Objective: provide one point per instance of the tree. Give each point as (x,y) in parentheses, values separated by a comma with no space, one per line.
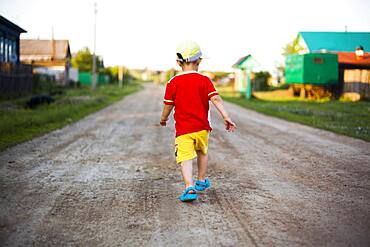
(261,80)
(113,73)
(83,60)
(293,47)
(170,73)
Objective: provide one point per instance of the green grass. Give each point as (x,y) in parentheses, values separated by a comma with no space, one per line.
(347,118)
(18,124)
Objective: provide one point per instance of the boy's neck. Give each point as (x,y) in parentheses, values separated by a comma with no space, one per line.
(190,67)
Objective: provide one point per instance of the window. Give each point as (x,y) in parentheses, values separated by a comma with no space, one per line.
(1,48)
(10,49)
(12,53)
(15,51)
(6,57)
(318,60)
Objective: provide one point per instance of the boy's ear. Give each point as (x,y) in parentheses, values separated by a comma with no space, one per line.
(179,63)
(198,61)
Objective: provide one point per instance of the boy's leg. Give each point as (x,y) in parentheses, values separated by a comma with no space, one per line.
(187,172)
(202,161)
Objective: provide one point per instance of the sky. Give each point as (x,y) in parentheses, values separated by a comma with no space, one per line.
(145,33)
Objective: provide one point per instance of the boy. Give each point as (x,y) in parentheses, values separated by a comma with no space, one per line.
(189,93)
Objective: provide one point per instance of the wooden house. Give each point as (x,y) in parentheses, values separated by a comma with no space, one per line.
(9,41)
(51,57)
(15,78)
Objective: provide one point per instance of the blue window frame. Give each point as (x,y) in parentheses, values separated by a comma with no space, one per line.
(6,54)
(1,47)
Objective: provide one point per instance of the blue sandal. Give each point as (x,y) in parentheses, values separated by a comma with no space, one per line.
(200,185)
(188,197)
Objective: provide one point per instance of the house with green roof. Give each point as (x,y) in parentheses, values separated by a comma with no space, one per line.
(353,49)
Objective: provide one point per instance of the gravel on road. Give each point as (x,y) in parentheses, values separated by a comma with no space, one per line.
(111,180)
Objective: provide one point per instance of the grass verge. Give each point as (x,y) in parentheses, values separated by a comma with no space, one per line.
(18,124)
(347,118)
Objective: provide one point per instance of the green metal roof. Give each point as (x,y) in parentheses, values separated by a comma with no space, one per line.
(246,62)
(336,41)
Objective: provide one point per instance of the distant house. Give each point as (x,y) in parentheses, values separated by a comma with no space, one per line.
(243,72)
(52,57)
(353,56)
(14,77)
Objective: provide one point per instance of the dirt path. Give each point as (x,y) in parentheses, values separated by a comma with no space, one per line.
(110,180)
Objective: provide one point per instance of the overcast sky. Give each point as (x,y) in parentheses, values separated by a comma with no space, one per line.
(142,33)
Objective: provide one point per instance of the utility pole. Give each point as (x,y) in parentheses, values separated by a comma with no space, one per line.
(52,44)
(94,82)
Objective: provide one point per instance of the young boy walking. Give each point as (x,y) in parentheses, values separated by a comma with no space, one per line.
(189,93)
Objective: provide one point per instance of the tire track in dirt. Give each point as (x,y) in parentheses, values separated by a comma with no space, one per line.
(227,207)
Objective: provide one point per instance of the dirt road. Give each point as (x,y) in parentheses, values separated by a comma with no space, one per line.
(110,180)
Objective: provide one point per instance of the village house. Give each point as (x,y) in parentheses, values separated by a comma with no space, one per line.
(9,41)
(353,57)
(14,77)
(51,57)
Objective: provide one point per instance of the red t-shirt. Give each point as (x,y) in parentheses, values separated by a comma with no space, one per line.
(189,93)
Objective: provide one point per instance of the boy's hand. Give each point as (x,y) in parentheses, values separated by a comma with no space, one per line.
(230,126)
(163,122)
(166,112)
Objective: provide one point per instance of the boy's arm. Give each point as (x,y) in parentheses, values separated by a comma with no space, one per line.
(165,113)
(217,102)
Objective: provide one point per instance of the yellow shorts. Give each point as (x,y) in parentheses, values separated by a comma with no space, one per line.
(187,145)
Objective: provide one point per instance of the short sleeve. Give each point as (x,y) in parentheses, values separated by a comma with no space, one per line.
(211,91)
(169,98)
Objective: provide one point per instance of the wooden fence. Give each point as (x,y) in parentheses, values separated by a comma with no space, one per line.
(358,81)
(15,78)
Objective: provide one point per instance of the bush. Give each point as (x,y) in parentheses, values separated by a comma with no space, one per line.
(43,83)
(260,82)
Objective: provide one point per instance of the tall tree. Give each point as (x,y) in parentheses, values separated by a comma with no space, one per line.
(293,47)
(83,60)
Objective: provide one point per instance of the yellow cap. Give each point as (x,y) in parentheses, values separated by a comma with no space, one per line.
(188,51)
